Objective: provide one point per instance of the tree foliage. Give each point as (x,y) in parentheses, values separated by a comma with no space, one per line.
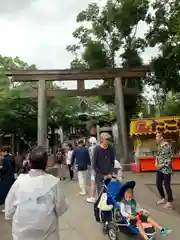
(106,37)
(172,105)
(19,115)
(164,25)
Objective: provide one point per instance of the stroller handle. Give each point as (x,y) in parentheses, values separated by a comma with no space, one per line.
(109,179)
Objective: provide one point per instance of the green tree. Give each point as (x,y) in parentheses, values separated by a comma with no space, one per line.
(16,115)
(172,105)
(107,37)
(163,33)
(19,115)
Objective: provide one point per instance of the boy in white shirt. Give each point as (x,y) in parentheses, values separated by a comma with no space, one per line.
(129,210)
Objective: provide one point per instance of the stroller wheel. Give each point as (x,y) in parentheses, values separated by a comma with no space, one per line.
(113,232)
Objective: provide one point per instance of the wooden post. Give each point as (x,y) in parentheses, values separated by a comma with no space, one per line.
(42,113)
(121,122)
(80,84)
(98,133)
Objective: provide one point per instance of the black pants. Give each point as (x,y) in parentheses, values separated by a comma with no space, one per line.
(166,178)
(71,173)
(99,182)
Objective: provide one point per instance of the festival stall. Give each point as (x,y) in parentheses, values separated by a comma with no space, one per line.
(143,133)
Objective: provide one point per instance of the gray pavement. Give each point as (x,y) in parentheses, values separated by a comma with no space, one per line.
(78,222)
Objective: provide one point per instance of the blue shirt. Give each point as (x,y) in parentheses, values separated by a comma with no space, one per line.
(81,158)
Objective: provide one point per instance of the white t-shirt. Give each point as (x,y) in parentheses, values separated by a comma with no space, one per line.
(69,157)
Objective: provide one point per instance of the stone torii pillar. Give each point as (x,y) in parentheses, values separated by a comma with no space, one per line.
(42,110)
(121,121)
(42,114)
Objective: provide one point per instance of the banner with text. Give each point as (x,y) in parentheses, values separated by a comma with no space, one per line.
(151,126)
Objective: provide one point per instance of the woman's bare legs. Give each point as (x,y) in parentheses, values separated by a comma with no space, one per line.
(93,189)
(92,198)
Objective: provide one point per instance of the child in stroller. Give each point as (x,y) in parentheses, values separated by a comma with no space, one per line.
(113,209)
(130,210)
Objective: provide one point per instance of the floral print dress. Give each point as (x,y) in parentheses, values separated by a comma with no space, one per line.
(164,158)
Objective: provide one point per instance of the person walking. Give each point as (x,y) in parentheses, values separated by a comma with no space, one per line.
(61,158)
(35,201)
(7,171)
(93,144)
(81,159)
(68,162)
(26,163)
(164,170)
(103,160)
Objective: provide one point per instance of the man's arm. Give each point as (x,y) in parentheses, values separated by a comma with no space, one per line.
(10,206)
(61,204)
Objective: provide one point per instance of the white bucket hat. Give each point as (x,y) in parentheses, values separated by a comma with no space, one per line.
(92,140)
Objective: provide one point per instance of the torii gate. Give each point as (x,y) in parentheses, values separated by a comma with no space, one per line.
(118,74)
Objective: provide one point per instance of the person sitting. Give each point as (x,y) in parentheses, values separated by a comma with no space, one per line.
(130,210)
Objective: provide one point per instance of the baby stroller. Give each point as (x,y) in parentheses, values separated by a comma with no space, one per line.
(115,225)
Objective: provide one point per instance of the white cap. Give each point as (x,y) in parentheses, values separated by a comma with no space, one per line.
(93,140)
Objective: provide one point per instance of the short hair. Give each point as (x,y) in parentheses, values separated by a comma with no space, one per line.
(38,158)
(105,135)
(81,142)
(6,149)
(70,146)
(129,190)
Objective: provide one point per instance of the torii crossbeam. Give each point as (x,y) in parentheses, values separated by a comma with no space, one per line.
(118,74)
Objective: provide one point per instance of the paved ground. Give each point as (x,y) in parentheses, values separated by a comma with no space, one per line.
(78,223)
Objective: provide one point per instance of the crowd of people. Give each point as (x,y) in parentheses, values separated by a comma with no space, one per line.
(96,159)
(35,192)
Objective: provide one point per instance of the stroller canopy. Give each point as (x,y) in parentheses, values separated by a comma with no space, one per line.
(124,187)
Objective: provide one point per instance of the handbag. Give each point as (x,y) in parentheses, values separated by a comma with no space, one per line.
(103,206)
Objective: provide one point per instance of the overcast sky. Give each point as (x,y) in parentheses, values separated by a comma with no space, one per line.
(38,31)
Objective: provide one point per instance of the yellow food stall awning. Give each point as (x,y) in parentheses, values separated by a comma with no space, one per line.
(152,125)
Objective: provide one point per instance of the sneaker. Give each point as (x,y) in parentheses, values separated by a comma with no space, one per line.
(62,178)
(165,232)
(162,201)
(82,193)
(168,205)
(3,210)
(67,180)
(91,200)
